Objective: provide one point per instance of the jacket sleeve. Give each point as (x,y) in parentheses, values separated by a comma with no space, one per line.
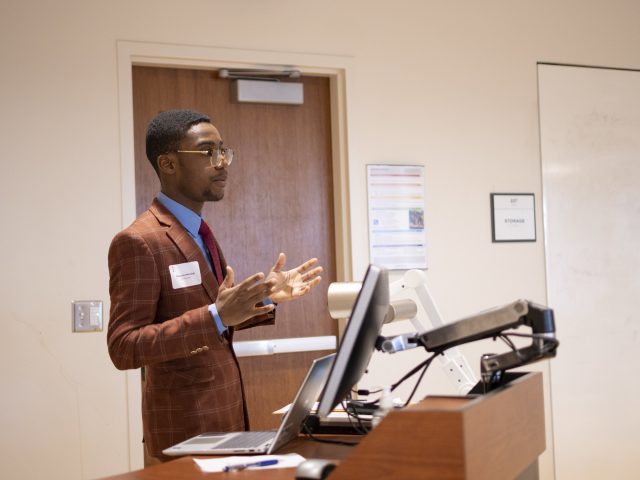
(260,320)
(133,337)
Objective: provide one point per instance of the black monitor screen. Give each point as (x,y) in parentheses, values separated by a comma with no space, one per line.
(358,340)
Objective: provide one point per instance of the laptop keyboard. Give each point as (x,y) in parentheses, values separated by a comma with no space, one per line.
(247,439)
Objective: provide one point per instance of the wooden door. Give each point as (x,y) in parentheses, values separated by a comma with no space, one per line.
(279,197)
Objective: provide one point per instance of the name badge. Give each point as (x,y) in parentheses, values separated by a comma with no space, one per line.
(185,274)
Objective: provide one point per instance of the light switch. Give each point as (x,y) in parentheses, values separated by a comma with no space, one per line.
(87,315)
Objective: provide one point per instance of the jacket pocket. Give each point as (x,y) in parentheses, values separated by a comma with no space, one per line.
(179,377)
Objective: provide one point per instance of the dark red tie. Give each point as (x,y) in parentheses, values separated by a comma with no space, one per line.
(210,242)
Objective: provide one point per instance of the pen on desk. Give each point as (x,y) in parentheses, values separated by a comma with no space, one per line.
(242,466)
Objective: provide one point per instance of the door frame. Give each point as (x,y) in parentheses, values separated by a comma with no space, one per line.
(338,68)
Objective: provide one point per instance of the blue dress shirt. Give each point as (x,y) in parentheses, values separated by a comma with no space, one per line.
(191,221)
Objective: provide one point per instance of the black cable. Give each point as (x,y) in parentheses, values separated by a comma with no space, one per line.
(424,370)
(550,343)
(542,336)
(411,372)
(326,440)
(361,428)
(424,364)
(505,338)
(366,392)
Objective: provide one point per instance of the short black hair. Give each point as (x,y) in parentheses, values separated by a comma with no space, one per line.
(166,131)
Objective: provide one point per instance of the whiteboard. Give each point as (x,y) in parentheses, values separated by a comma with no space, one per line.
(590,149)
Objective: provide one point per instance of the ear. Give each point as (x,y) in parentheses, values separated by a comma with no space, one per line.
(167,164)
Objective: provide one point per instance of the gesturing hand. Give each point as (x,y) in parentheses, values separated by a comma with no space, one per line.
(293,283)
(237,303)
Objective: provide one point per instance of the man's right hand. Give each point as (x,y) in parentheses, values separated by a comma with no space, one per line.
(238,303)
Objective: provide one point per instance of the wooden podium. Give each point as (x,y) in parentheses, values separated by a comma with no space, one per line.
(498,435)
(495,436)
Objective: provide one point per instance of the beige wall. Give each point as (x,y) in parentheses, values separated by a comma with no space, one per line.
(448,84)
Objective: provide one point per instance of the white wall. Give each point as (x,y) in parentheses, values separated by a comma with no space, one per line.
(590,145)
(448,84)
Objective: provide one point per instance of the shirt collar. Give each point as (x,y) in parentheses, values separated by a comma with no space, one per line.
(188,218)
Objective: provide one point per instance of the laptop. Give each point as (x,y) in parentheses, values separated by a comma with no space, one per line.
(267,442)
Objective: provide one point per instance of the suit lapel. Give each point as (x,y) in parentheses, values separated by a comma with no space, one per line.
(187,246)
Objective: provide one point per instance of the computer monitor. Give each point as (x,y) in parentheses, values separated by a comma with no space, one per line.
(359,339)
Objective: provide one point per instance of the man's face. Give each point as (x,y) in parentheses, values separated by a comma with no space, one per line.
(196,179)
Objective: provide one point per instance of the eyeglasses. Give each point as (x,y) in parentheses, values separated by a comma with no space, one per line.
(223,155)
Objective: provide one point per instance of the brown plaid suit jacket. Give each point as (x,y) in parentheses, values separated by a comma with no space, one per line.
(192,377)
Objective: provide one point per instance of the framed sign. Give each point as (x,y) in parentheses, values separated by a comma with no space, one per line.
(513,217)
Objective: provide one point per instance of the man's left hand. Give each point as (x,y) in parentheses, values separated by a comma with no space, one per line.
(293,283)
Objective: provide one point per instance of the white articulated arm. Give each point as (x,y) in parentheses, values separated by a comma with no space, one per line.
(453,362)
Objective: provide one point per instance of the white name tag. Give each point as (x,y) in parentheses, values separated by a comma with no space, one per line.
(185,275)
